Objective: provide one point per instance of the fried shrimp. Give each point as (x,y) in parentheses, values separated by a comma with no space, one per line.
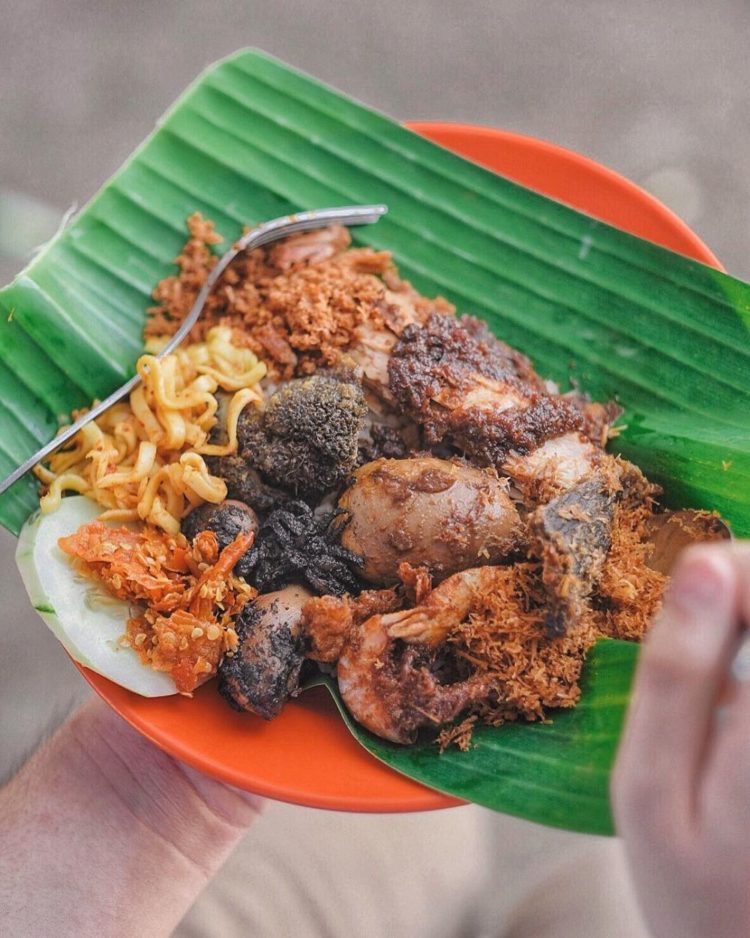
(474,645)
(393,689)
(446,606)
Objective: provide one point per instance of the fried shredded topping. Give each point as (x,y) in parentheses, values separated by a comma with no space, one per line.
(458,735)
(296,304)
(190,595)
(633,590)
(505,633)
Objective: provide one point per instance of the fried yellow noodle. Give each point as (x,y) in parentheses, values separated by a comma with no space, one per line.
(143,459)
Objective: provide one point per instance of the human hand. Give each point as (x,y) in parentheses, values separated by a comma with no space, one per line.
(681,787)
(104,834)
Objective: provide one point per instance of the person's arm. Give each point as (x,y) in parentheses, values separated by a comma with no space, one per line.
(103,834)
(682,782)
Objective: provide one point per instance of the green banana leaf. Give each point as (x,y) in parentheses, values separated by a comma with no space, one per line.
(253,139)
(556,773)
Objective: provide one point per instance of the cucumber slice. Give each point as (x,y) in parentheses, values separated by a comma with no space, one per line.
(83,616)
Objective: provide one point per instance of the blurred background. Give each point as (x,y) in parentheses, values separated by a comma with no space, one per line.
(656,90)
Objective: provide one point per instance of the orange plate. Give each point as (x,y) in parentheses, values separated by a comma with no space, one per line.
(306,755)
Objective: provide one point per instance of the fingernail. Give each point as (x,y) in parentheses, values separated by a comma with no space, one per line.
(697,584)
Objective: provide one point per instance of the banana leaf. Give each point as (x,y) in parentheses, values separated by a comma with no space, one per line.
(253,139)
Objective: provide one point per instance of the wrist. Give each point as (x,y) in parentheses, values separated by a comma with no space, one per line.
(169,802)
(121,835)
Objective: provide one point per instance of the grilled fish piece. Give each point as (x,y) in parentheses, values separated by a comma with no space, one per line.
(573,532)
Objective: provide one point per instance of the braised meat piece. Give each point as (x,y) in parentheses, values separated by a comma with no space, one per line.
(382,442)
(264,671)
(226,520)
(443,515)
(243,481)
(572,534)
(296,545)
(245,484)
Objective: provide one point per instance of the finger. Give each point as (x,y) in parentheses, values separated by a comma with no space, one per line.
(728,759)
(681,670)
(726,788)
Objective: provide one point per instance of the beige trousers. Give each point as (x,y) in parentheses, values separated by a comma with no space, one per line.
(302,873)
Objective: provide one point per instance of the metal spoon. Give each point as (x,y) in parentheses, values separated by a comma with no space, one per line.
(672,531)
(265,233)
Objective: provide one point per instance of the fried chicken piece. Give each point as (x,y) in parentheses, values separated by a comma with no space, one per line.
(311,247)
(327,620)
(447,356)
(468,388)
(556,466)
(374,340)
